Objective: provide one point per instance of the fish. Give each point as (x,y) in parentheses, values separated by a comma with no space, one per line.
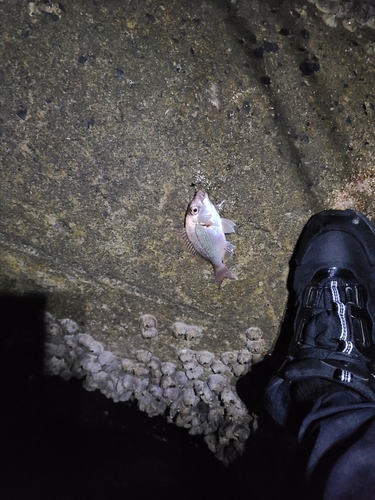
(204,236)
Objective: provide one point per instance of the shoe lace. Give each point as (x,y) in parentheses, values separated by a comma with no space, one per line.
(334,316)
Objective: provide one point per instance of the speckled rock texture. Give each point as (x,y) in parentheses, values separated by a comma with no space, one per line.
(113,114)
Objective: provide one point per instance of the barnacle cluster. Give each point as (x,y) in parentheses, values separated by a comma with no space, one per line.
(195,390)
(350,13)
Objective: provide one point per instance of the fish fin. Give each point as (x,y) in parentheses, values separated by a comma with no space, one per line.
(190,248)
(229,250)
(223,272)
(228,226)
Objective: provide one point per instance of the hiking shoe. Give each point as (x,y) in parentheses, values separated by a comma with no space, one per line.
(333,283)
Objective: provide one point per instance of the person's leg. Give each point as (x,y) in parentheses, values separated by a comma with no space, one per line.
(327,383)
(337,448)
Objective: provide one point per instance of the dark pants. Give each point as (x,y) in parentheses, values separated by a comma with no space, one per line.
(337,448)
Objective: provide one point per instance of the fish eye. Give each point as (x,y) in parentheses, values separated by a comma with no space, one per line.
(194,210)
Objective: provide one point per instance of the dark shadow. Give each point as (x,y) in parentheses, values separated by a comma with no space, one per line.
(270,450)
(57,440)
(21,353)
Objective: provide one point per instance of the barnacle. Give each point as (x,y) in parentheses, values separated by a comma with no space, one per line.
(194,390)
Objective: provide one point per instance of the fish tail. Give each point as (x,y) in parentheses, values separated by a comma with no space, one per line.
(223,272)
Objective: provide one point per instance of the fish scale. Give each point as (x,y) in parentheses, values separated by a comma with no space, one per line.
(209,244)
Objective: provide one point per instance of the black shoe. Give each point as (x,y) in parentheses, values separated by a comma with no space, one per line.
(333,281)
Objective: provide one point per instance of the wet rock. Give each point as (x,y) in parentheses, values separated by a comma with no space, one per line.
(270,47)
(265,80)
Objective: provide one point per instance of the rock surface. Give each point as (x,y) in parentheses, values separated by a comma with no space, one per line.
(113,114)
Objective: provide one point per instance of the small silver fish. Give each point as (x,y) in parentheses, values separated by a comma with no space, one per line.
(205,236)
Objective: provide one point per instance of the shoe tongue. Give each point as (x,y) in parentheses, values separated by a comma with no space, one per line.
(328,316)
(323,330)
(327,295)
